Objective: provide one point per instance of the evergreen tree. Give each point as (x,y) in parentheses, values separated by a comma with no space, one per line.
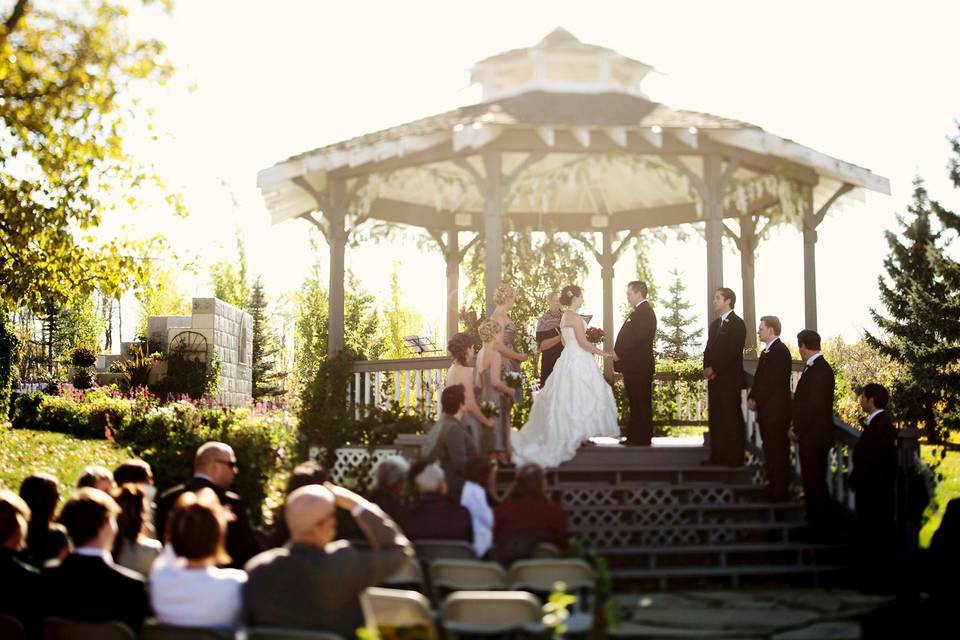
(643,268)
(912,328)
(676,339)
(230,280)
(400,321)
(265,378)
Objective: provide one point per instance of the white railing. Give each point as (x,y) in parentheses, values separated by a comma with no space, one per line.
(412,384)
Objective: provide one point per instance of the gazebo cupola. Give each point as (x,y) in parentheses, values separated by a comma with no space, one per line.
(561,64)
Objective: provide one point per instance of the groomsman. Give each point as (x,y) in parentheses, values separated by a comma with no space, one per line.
(723,370)
(770,398)
(813,426)
(634,359)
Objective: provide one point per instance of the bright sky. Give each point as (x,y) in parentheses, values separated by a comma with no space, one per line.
(259,82)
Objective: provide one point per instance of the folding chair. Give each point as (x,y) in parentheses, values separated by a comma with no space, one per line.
(287,633)
(409,576)
(398,608)
(60,629)
(467,613)
(541,575)
(465,575)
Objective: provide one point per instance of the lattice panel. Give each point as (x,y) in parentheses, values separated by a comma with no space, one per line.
(349,460)
(669,537)
(588,498)
(710,495)
(659,517)
(606,537)
(651,496)
(600,527)
(721,536)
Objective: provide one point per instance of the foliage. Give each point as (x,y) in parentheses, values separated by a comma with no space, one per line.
(9,356)
(160,295)
(361,324)
(76,324)
(24,452)
(264,347)
(64,113)
(135,370)
(230,280)
(948,463)
(911,328)
(676,339)
(535,264)
(83,357)
(644,269)
(400,321)
(855,365)
(605,614)
(84,379)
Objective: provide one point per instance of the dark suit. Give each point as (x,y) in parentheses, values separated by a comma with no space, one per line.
(873,480)
(634,349)
(241,543)
(20,591)
(89,589)
(813,424)
(724,354)
(438,518)
(454,447)
(771,392)
(306,587)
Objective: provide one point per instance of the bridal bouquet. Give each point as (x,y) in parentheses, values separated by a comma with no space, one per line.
(594,335)
(530,343)
(513,379)
(490,409)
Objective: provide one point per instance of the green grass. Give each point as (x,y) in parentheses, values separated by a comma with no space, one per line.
(947,489)
(23,451)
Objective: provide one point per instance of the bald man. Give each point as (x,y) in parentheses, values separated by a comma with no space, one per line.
(215,467)
(314,582)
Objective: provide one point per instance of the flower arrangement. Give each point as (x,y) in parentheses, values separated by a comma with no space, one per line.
(513,379)
(594,335)
(490,409)
(530,343)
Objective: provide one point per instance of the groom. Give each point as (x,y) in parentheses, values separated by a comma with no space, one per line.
(634,359)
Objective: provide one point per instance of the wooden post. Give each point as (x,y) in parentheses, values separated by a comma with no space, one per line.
(338,243)
(809,262)
(713,217)
(492,226)
(748,245)
(606,273)
(453,282)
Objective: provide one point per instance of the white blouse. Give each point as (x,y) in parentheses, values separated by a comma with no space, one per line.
(207,597)
(474,498)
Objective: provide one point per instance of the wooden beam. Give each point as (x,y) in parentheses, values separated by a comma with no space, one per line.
(532,158)
(319,224)
(338,244)
(464,164)
(822,212)
(453,256)
(492,225)
(713,217)
(607,260)
(809,262)
(699,184)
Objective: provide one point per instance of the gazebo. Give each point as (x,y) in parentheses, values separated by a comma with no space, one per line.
(565,139)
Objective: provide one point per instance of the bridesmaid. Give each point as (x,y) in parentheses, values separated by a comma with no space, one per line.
(461,372)
(504,297)
(489,371)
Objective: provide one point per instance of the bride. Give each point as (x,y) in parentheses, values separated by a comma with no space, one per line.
(575,404)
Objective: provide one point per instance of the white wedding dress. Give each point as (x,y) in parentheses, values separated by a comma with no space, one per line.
(575,404)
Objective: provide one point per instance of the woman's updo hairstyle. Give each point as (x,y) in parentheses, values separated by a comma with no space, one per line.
(489,329)
(503,293)
(568,293)
(458,345)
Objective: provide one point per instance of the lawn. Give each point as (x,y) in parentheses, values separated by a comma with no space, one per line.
(23,451)
(947,489)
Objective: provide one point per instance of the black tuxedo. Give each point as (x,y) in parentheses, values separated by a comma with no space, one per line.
(634,349)
(813,424)
(89,589)
(724,354)
(241,543)
(771,392)
(20,591)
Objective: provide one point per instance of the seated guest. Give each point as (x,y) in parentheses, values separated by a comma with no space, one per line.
(19,582)
(476,499)
(139,473)
(303,474)
(435,517)
(97,477)
(527,517)
(46,540)
(455,443)
(391,478)
(314,582)
(87,585)
(134,549)
(189,590)
(215,467)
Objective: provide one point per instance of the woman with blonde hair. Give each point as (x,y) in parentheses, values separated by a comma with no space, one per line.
(462,372)
(491,388)
(504,297)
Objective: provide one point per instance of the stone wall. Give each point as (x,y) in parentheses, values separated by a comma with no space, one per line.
(229,334)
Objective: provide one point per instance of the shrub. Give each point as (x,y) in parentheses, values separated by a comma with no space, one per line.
(63,414)
(83,357)
(26,410)
(84,379)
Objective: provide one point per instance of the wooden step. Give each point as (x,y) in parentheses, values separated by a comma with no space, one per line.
(722,555)
(618,476)
(604,533)
(673,577)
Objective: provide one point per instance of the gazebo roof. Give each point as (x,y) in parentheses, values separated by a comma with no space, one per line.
(427,167)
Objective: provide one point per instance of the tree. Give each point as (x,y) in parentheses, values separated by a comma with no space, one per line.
(230,280)
(265,349)
(911,333)
(64,113)
(162,297)
(399,321)
(677,340)
(535,264)
(644,269)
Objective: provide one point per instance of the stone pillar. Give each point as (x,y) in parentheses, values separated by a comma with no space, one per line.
(492,226)
(713,217)
(453,282)
(809,263)
(607,260)
(748,245)
(338,244)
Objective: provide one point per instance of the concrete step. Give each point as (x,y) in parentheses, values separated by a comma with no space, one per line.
(735,576)
(723,555)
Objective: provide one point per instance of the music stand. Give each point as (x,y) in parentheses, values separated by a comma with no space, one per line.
(420,345)
(586,318)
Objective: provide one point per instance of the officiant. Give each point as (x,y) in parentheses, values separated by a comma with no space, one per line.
(548,336)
